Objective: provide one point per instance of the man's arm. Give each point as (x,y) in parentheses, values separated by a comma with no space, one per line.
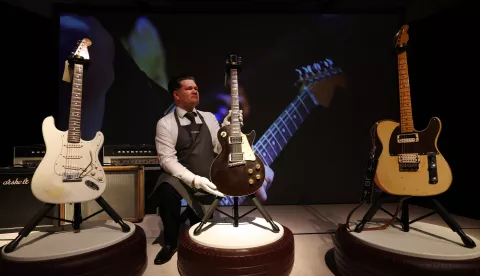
(167,155)
(216,126)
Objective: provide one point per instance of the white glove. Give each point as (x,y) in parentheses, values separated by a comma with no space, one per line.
(203,183)
(226,121)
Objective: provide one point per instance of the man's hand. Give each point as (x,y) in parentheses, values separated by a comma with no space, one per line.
(227,120)
(262,192)
(203,183)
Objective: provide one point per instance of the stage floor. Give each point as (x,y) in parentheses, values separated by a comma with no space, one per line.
(313,227)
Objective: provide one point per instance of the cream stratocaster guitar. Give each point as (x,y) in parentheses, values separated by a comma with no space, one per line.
(410,163)
(70,172)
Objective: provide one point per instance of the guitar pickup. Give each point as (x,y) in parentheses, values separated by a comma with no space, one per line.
(432,168)
(235,157)
(235,140)
(407,138)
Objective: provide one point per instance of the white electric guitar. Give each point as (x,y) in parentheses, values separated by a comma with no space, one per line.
(70,171)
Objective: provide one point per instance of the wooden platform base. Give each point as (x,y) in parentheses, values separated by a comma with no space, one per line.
(425,250)
(98,248)
(252,248)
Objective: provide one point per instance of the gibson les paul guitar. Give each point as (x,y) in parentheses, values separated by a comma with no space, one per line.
(318,84)
(236,170)
(70,172)
(410,163)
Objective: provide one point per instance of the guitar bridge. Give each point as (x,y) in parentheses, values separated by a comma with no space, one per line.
(234,164)
(72,177)
(235,159)
(408,162)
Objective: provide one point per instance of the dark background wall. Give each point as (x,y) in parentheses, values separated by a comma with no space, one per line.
(440,53)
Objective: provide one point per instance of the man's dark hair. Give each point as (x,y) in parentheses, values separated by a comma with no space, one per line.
(175,82)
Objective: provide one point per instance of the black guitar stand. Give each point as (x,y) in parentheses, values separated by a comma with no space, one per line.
(368,192)
(235,216)
(404,218)
(77,220)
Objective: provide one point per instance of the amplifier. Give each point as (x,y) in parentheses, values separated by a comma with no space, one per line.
(28,156)
(17,203)
(130,155)
(124,193)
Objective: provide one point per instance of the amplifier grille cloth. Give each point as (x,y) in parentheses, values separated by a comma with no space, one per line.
(122,194)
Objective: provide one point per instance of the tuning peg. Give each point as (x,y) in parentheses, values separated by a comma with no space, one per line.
(299,74)
(330,62)
(317,67)
(309,68)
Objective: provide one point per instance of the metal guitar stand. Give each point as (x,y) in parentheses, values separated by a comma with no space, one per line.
(77,220)
(235,216)
(368,193)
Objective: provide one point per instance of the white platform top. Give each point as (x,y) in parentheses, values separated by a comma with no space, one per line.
(251,232)
(60,243)
(424,240)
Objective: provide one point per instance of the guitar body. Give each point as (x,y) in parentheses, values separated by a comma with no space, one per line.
(63,159)
(423,161)
(237,180)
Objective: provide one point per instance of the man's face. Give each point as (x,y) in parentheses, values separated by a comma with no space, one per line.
(187,94)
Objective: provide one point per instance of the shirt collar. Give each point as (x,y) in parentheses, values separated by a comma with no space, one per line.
(181,112)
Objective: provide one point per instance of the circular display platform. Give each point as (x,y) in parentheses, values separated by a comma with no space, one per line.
(252,248)
(252,232)
(99,248)
(426,249)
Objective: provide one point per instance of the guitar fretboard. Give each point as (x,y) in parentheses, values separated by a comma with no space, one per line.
(235,105)
(406,118)
(270,145)
(76,105)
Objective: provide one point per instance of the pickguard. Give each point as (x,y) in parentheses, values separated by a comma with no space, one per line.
(248,154)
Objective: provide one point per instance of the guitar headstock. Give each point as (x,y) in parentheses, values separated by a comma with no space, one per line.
(80,55)
(234,61)
(321,79)
(401,39)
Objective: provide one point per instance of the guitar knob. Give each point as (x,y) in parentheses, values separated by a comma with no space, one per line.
(251,181)
(92,173)
(257,177)
(250,171)
(257,166)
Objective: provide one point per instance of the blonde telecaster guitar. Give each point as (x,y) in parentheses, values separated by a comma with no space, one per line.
(410,163)
(70,172)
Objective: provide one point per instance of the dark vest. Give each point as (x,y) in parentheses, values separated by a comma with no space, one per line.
(194,151)
(194,147)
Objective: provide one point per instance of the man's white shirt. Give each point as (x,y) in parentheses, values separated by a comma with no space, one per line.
(166,139)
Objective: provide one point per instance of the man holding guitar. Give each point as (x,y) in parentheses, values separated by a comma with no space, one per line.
(187,143)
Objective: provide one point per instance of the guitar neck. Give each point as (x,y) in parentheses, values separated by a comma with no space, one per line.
(406,118)
(272,142)
(235,105)
(74,123)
